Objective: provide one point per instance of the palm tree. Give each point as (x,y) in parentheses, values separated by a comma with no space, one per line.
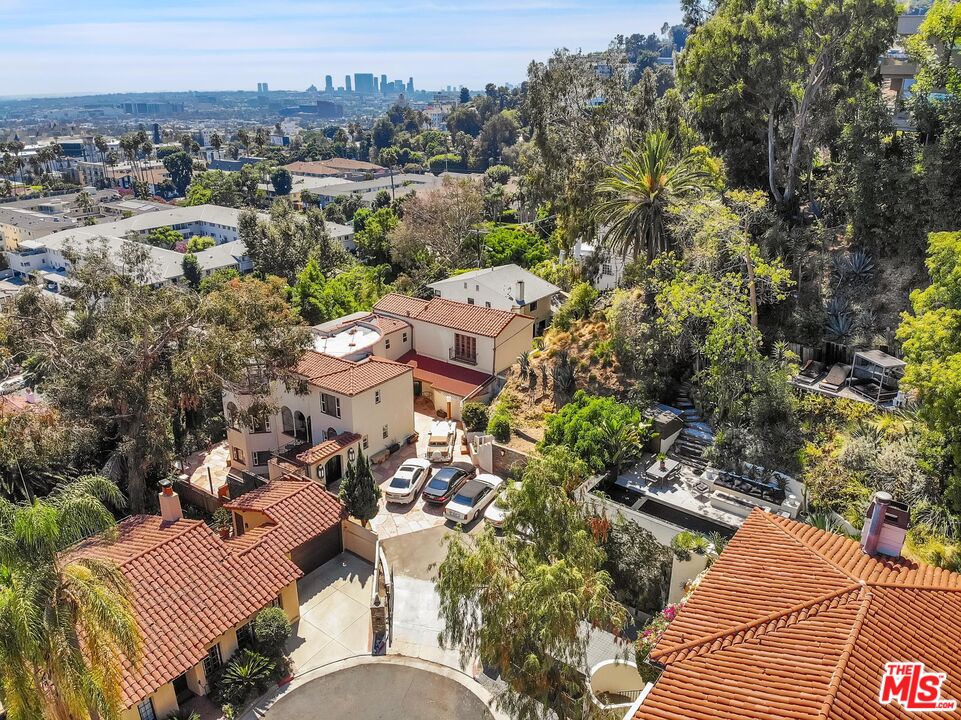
(216,142)
(100,142)
(621,444)
(388,157)
(635,195)
(66,623)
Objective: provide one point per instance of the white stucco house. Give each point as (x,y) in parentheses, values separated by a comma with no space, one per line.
(506,287)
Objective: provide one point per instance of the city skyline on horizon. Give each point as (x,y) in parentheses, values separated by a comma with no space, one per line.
(293,44)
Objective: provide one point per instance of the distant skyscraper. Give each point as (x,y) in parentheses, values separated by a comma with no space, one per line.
(410,85)
(347,84)
(261,87)
(376,88)
(364,83)
(383,84)
(156,134)
(328,84)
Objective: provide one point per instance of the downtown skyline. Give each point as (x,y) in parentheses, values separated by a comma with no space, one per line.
(115,48)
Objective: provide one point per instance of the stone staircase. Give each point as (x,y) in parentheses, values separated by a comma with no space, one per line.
(696,437)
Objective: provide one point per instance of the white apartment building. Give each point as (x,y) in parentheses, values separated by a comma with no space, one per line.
(51,252)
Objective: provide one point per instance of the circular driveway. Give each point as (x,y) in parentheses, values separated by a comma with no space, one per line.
(381,690)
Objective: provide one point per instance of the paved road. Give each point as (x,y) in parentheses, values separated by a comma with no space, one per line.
(383,691)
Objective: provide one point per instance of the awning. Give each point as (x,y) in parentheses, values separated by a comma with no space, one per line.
(444,376)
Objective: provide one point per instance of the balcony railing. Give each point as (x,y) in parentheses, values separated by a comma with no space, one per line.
(461,358)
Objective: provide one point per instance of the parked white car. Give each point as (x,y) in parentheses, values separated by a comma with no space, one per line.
(440,443)
(496,512)
(470,500)
(408,481)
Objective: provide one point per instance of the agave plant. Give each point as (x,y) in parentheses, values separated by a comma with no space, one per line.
(247,673)
(825,521)
(837,306)
(859,265)
(688,542)
(839,327)
(524,360)
(563,372)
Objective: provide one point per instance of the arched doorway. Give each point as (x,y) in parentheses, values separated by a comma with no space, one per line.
(333,470)
(300,426)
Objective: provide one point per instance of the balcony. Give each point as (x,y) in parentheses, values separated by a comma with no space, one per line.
(462,358)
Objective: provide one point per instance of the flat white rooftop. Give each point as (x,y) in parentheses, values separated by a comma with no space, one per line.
(350,340)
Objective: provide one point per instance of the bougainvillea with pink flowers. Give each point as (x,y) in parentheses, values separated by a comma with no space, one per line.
(655,629)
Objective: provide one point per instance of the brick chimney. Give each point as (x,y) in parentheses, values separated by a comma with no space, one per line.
(885,526)
(170,509)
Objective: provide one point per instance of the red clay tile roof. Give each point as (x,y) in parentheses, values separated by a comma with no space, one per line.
(473,319)
(344,377)
(793,622)
(445,376)
(328,448)
(189,588)
(299,509)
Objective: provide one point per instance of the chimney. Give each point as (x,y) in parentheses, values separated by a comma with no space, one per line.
(520,292)
(885,526)
(169,503)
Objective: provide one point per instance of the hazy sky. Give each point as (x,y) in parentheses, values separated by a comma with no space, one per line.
(57,47)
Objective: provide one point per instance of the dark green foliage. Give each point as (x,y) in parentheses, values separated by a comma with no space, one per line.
(246,675)
(639,566)
(514,244)
(272,629)
(475,416)
(358,491)
(181,168)
(282,181)
(499,426)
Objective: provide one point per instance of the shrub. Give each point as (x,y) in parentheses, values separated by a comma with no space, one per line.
(272,629)
(475,416)
(577,306)
(500,427)
(246,674)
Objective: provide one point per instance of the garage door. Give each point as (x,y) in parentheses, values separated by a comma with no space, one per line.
(315,553)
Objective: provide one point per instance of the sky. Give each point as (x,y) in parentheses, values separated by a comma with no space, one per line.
(91,46)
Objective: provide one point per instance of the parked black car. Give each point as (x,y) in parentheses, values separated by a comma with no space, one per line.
(447,481)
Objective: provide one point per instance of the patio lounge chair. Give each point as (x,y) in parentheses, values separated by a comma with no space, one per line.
(811,372)
(837,377)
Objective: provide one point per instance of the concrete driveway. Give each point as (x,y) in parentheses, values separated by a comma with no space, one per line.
(417,622)
(334,613)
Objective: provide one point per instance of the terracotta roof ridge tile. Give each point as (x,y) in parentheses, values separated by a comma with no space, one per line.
(193,525)
(846,654)
(807,546)
(759,626)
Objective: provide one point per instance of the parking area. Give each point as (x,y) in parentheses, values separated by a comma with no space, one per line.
(393,520)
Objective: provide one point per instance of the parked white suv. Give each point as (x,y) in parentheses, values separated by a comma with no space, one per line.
(470,500)
(440,443)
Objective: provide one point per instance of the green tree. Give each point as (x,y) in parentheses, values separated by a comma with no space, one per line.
(931,338)
(465,120)
(191,269)
(272,630)
(382,134)
(760,73)
(521,602)
(580,426)
(464,95)
(131,374)
(371,233)
(281,180)
(634,197)
(200,242)
(181,168)
(514,244)
(164,237)
(498,133)
(358,491)
(283,244)
(67,627)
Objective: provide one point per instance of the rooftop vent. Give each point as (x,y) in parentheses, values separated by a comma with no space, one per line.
(170,509)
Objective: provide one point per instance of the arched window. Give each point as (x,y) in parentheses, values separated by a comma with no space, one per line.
(300,426)
(287,420)
(232,416)
(331,433)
